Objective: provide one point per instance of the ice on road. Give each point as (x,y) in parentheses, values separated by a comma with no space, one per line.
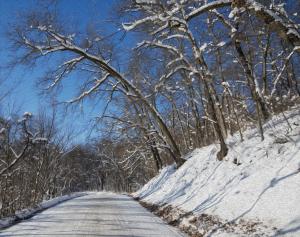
(96,214)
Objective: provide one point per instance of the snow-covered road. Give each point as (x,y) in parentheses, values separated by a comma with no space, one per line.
(96,214)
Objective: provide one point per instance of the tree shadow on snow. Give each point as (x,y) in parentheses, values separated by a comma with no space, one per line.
(273,182)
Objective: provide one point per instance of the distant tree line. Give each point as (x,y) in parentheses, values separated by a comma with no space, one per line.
(37,163)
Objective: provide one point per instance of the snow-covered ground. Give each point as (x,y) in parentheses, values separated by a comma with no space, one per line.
(263,187)
(27,213)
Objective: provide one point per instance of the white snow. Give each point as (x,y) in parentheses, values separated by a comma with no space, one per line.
(26,213)
(2,130)
(27,114)
(42,28)
(40,140)
(233,12)
(263,186)
(225,84)
(222,43)
(203,47)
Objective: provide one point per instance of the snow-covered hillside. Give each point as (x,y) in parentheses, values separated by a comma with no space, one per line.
(258,183)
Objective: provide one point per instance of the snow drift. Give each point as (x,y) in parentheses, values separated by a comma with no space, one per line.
(258,180)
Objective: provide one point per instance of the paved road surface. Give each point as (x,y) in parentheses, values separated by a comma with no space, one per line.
(96,214)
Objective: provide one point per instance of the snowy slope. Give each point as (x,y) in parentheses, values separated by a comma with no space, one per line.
(264,186)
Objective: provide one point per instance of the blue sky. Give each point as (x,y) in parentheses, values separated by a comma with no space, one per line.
(25,94)
(76,11)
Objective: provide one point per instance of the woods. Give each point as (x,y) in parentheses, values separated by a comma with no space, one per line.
(199,72)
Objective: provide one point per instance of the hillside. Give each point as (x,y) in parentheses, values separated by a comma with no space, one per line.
(255,191)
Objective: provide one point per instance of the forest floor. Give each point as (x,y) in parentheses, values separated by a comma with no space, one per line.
(255,191)
(94,214)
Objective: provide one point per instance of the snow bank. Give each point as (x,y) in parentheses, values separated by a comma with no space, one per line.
(258,181)
(27,213)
